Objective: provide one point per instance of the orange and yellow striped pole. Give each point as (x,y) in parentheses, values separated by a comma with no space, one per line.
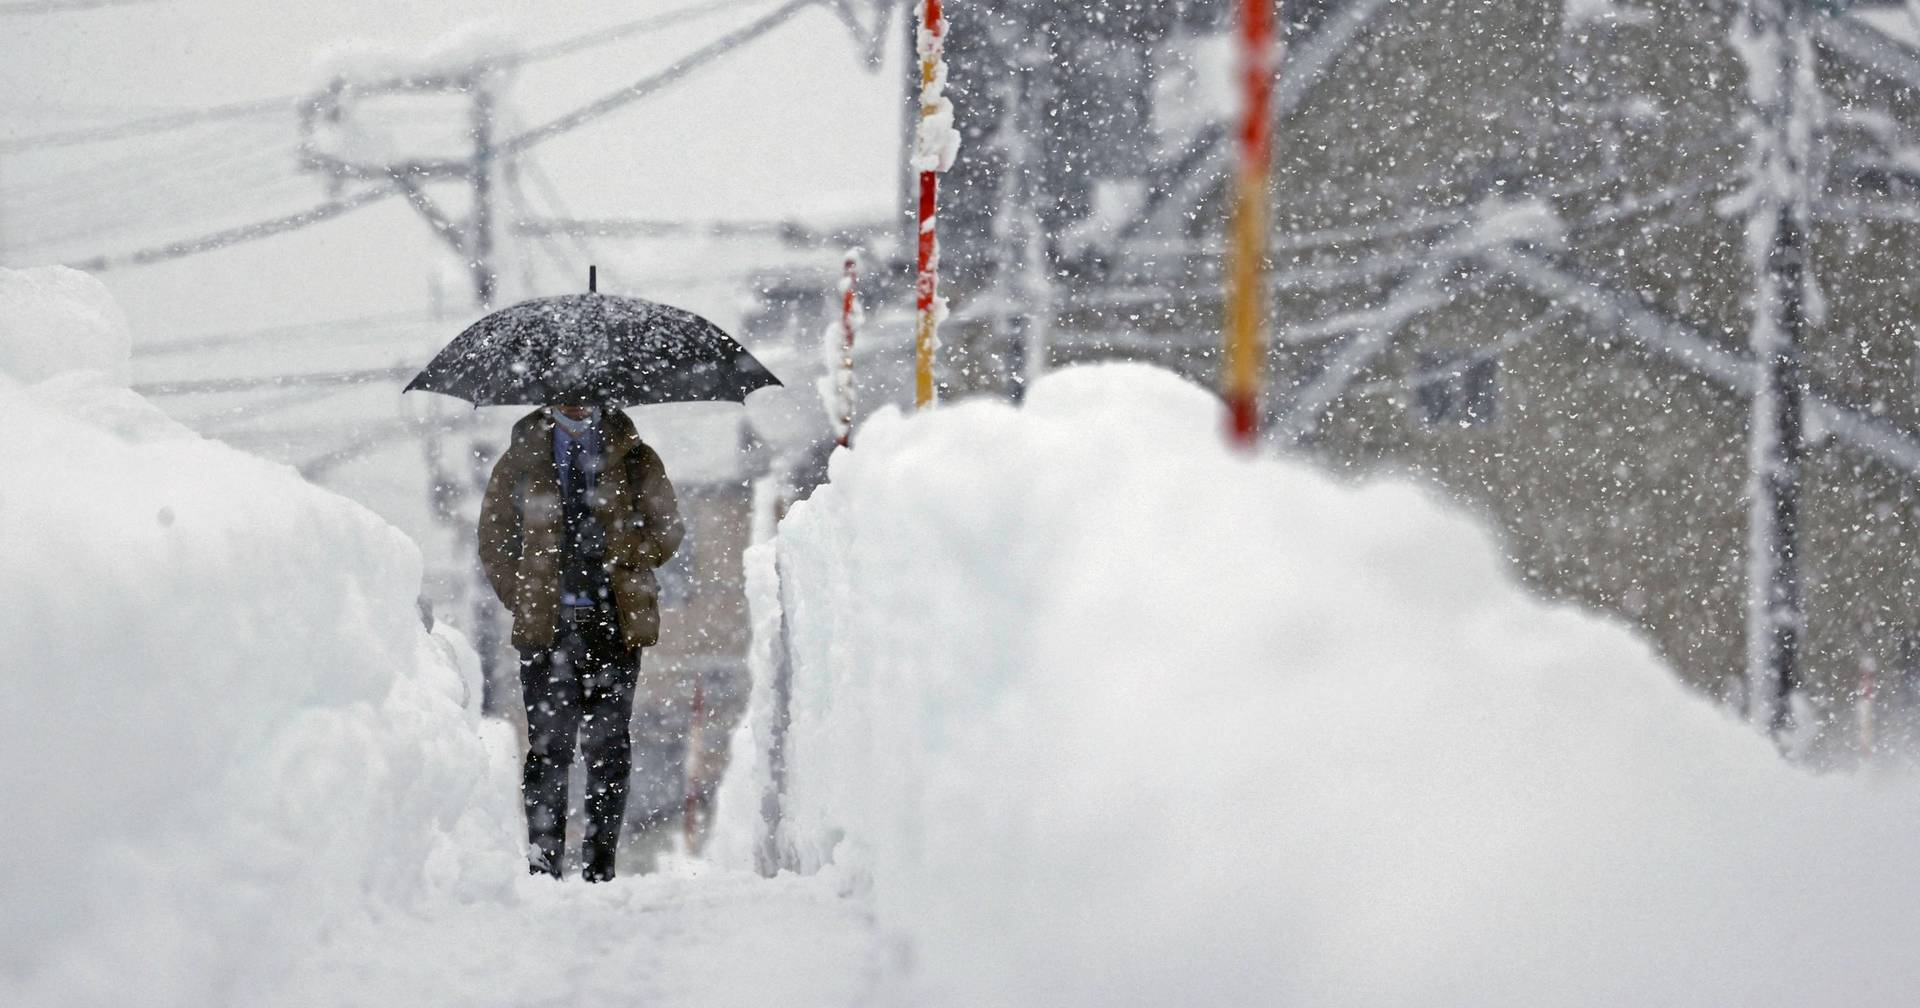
(1247,225)
(935,145)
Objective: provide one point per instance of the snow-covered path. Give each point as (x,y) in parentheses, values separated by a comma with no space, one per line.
(267,784)
(690,936)
(1096,712)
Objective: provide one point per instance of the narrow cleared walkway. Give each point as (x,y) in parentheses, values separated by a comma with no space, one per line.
(688,936)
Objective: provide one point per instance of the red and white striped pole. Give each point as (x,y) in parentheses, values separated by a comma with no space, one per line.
(935,144)
(851,315)
(1247,228)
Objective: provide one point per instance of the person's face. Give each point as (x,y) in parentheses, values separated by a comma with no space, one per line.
(574,412)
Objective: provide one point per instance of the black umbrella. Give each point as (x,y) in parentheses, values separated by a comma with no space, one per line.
(593,348)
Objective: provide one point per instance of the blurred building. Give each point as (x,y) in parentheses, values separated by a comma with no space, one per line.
(1508,262)
(1504,258)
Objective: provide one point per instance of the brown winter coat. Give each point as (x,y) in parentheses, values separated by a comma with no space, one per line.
(521,528)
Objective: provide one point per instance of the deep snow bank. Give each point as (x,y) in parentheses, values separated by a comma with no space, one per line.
(1108,715)
(223,726)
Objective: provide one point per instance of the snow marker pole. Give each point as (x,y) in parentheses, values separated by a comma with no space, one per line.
(933,151)
(1247,226)
(850,317)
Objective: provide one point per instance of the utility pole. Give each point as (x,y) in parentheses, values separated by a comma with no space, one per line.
(1773,37)
(480,221)
(452,493)
(481,452)
(1022,262)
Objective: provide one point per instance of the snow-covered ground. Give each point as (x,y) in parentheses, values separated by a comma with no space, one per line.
(1086,710)
(694,937)
(1099,713)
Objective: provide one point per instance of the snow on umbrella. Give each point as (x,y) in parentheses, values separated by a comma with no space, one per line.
(593,348)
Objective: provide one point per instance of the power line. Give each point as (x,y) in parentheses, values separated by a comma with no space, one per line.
(529,166)
(248,181)
(654,82)
(63,6)
(262,229)
(123,172)
(201,386)
(230,422)
(604,36)
(289,103)
(152,124)
(365,443)
(208,341)
(234,236)
(792,232)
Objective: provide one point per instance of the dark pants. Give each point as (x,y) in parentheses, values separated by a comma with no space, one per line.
(582,687)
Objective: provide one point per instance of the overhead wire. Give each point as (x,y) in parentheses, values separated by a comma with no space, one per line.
(153,124)
(122,185)
(300,330)
(24,7)
(144,161)
(673,72)
(621,32)
(236,235)
(556,204)
(289,104)
(215,180)
(653,82)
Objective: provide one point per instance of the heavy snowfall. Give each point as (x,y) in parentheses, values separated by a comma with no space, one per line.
(1329,502)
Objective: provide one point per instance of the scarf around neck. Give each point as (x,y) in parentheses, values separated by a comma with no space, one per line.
(578,427)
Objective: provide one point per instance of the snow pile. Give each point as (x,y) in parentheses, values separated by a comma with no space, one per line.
(54,320)
(1105,714)
(225,728)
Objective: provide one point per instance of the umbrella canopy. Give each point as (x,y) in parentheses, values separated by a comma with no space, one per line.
(593,348)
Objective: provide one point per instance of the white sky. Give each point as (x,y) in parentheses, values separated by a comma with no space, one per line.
(794,124)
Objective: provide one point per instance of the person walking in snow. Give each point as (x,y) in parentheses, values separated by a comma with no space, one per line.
(577,515)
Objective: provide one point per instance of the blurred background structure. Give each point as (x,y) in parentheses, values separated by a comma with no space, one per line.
(1510,252)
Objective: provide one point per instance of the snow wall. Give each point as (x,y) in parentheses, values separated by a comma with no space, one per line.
(224,726)
(1102,713)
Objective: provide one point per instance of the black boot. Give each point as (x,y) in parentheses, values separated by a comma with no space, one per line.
(597,861)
